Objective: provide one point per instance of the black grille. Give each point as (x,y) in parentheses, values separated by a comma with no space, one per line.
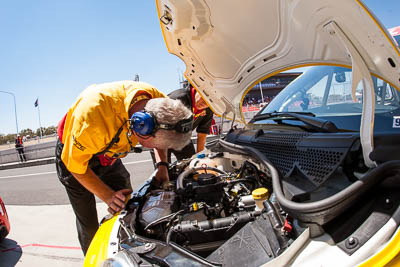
(284,151)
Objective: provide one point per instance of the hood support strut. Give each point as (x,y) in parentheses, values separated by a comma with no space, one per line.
(361,74)
(228,109)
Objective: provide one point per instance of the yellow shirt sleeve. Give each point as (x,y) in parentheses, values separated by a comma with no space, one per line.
(82,141)
(91,123)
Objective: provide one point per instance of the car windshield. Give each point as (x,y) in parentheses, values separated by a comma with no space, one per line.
(397,38)
(325,91)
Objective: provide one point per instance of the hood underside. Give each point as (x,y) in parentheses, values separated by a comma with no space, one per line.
(229,46)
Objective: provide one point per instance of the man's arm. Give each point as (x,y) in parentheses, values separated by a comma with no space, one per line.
(162,171)
(201,141)
(114,200)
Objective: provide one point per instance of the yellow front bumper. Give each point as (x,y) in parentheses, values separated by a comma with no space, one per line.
(99,247)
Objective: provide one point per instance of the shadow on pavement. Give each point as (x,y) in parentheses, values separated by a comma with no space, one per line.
(10,252)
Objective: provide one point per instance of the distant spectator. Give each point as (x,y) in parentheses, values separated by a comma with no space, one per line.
(19,145)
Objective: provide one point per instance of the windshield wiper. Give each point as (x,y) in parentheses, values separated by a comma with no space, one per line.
(307,118)
(264,116)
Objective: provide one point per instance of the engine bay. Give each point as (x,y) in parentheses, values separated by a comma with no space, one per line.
(230,205)
(209,199)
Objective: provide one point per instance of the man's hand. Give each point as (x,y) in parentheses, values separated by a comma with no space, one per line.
(114,200)
(117,201)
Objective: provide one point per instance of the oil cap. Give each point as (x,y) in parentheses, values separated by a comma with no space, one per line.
(260,193)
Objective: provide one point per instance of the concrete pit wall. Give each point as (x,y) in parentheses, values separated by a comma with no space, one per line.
(32,152)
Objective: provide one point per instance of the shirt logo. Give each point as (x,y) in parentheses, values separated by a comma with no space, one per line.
(77,144)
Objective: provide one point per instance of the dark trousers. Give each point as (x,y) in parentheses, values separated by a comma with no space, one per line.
(83,202)
(21,154)
(185,153)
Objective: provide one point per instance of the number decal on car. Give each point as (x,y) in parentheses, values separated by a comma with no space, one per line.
(396,122)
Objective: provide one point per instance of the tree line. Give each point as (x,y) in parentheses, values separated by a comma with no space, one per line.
(27,133)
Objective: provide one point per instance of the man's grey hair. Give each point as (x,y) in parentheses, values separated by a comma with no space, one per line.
(169,111)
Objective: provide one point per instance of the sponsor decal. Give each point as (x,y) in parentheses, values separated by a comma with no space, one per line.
(77,144)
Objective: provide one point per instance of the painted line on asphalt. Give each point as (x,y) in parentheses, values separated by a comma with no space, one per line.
(140,161)
(44,173)
(38,245)
(24,175)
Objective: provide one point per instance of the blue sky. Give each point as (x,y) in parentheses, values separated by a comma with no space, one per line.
(54,49)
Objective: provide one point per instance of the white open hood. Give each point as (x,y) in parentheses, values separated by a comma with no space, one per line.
(228,46)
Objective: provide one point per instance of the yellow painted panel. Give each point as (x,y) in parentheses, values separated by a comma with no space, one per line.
(98,248)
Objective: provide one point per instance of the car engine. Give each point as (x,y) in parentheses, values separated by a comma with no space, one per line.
(209,199)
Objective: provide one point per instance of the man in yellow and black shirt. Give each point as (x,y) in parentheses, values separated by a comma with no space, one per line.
(97,131)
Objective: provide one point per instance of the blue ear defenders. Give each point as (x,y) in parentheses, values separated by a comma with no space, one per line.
(144,123)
